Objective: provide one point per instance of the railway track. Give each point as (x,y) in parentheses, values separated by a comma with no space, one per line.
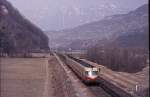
(126,85)
(102,90)
(80,89)
(113,89)
(98,91)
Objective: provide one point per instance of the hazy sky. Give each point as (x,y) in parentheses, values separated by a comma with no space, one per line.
(47,13)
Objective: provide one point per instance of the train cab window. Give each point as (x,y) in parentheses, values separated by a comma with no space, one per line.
(91,73)
(94,72)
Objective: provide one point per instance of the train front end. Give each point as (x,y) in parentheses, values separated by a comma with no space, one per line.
(91,75)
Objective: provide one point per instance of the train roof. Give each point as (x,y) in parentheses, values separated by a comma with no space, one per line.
(82,62)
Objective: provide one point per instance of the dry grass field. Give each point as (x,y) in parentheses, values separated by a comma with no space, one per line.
(22,77)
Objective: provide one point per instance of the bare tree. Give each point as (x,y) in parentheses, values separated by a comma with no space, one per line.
(119,59)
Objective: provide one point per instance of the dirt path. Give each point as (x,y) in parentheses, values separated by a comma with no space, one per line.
(60,84)
(47,82)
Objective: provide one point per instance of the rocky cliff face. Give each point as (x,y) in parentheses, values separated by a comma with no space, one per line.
(17,34)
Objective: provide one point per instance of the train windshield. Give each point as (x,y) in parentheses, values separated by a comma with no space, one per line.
(91,73)
(94,72)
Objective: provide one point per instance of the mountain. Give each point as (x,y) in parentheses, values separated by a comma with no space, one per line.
(17,34)
(56,14)
(68,17)
(109,28)
(138,38)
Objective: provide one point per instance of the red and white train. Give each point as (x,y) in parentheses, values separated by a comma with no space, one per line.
(85,71)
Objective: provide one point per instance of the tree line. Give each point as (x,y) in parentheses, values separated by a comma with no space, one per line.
(119,59)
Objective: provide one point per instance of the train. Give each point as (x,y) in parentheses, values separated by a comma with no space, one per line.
(86,72)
